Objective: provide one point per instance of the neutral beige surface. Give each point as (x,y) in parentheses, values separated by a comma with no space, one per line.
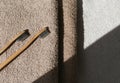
(41,56)
(38,63)
(22,49)
(70,40)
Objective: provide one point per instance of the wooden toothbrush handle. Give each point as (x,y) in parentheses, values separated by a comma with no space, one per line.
(19,51)
(10,42)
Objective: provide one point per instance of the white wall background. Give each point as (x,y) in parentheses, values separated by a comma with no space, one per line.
(102,41)
(100,17)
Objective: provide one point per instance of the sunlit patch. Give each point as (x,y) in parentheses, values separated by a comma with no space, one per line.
(91,36)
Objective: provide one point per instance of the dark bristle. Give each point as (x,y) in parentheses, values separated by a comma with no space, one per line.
(24,36)
(44,34)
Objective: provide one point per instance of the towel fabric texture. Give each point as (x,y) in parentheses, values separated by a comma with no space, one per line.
(39,63)
(41,56)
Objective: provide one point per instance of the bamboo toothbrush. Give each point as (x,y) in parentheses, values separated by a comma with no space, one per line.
(24,47)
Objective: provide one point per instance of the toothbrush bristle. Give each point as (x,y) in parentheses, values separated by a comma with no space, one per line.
(44,34)
(24,36)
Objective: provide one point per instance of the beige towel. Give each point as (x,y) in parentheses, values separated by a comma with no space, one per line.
(39,63)
(41,57)
(70,40)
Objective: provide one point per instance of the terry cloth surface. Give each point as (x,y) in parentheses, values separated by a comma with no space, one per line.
(102,41)
(70,40)
(41,57)
(38,64)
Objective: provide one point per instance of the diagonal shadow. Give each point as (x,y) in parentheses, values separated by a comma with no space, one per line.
(99,63)
(51,76)
(75,65)
(102,59)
